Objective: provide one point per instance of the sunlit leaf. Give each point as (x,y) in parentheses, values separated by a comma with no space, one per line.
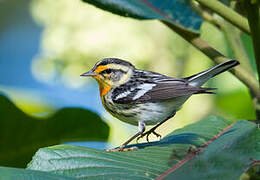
(22,135)
(177,12)
(228,149)
(22,174)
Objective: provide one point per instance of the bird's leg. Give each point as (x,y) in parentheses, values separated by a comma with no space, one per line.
(152,130)
(141,129)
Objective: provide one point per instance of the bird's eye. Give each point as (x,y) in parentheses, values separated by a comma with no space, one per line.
(107,71)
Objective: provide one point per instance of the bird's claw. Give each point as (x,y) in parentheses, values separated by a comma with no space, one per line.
(157,135)
(147,134)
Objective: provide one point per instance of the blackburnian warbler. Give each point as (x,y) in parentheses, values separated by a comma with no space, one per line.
(140,97)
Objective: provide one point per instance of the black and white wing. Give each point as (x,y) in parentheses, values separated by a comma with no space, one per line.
(157,90)
(148,86)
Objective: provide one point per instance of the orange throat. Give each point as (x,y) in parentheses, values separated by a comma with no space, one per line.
(103,89)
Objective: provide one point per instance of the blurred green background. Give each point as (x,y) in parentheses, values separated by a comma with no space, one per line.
(45,45)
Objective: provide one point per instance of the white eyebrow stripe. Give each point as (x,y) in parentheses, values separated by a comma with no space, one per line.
(117,66)
(144,88)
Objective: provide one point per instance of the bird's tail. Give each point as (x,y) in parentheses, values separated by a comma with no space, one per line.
(202,77)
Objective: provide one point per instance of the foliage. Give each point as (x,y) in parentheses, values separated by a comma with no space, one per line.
(22,135)
(234,148)
(182,16)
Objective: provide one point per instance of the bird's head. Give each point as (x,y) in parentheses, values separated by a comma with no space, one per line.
(111,72)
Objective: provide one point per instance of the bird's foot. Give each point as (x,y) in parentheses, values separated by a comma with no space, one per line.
(148,133)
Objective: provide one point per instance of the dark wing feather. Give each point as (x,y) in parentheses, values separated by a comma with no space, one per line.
(171,89)
(164,88)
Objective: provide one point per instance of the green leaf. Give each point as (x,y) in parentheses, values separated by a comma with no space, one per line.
(22,135)
(248,45)
(22,174)
(226,158)
(227,155)
(176,12)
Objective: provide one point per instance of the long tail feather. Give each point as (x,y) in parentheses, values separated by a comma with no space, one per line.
(202,77)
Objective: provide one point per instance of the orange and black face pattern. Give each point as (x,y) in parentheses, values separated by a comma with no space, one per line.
(110,73)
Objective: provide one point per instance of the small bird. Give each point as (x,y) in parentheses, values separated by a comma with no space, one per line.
(141,97)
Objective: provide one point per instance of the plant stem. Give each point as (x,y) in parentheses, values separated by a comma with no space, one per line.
(205,14)
(233,37)
(240,72)
(254,23)
(227,13)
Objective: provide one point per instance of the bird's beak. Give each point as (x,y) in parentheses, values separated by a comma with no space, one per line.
(89,73)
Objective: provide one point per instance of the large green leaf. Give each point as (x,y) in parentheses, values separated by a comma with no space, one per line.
(176,12)
(226,158)
(22,135)
(22,174)
(226,155)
